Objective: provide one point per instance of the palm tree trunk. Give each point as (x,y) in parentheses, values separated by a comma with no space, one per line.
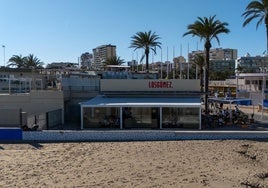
(147,63)
(147,59)
(201,80)
(207,48)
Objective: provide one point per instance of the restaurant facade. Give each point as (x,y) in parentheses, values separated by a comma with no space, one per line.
(144,104)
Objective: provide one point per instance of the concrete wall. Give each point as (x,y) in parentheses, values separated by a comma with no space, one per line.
(33,103)
(9,117)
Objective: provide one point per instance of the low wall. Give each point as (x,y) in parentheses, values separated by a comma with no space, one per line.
(140,135)
(10,134)
(34,103)
(10,117)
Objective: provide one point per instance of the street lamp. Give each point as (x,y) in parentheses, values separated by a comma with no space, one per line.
(238,70)
(3,46)
(237,90)
(264,71)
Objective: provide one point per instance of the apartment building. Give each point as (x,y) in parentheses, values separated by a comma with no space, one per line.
(223,65)
(256,64)
(101,54)
(216,54)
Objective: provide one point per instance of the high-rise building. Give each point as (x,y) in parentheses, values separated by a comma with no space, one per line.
(101,54)
(216,54)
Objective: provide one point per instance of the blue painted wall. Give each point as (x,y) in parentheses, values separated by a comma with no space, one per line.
(10,134)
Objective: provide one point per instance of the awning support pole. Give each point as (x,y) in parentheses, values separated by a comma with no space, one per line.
(82,117)
(160,126)
(200,118)
(121,118)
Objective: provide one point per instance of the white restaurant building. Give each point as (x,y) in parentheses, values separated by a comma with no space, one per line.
(144,104)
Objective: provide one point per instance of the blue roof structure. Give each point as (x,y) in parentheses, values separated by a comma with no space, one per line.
(231,100)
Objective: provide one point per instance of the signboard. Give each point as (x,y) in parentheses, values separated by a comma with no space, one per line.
(149,85)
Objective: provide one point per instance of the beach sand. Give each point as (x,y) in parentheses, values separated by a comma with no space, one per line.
(226,163)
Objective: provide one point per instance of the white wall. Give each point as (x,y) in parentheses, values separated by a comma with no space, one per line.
(146,85)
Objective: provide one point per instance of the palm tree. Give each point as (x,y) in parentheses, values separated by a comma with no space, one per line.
(33,62)
(207,29)
(239,69)
(199,60)
(17,61)
(147,41)
(257,10)
(114,61)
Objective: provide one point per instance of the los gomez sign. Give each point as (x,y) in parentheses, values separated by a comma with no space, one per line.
(160,84)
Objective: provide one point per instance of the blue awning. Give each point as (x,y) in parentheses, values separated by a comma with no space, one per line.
(230,100)
(265,103)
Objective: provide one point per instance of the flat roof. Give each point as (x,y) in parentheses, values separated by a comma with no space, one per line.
(253,74)
(103,101)
(118,66)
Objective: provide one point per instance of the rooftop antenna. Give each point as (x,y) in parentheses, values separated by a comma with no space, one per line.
(161,65)
(137,61)
(188,68)
(167,63)
(167,53)
(173,62)
(3,46)
(132,62)
(180,63)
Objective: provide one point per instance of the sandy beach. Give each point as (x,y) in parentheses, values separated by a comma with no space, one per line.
(228,163)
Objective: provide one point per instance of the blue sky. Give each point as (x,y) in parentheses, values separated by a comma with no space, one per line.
(61,30)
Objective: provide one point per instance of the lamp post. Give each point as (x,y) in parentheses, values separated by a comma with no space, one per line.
(238,69)
(4,54)
(264,71)
(262,93)
(236,93)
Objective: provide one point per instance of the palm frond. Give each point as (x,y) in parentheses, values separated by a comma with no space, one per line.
(207,28)
(146,41)
(255,10)
(142,57)
(114,61)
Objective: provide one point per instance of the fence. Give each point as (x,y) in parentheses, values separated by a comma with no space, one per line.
(39,120)
(54,118)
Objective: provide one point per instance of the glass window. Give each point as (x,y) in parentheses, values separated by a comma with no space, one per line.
(170,118)
(138,117)
(180,118)
(101,117)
